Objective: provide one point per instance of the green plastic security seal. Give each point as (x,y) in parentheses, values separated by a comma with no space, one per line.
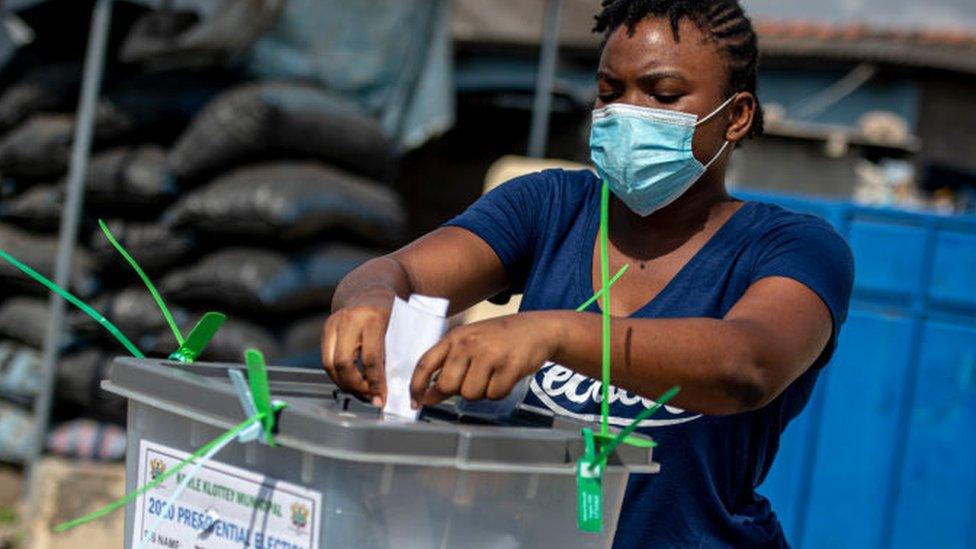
(605,307)
(199,337)
(190,348)
(70,298)
(257,377)
(600,292)
(589,487)
(145,280)
(589,468)
(609,443)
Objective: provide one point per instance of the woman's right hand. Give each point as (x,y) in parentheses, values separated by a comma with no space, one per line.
(356,333)
(449,261)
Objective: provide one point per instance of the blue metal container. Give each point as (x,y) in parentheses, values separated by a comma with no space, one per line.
(885,453)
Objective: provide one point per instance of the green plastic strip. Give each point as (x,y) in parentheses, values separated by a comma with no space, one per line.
(199,337)
(605,307)
(124,500)
(630,441)
(257,376)
(589,468)
(145,279)
(608,448)
(599,293)
(85,308)
(589,488)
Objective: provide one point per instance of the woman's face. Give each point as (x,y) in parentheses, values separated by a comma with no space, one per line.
(650,69)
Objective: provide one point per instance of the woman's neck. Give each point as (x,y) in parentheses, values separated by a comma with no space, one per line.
(702,207)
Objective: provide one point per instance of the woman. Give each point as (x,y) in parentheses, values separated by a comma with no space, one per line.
(738,303)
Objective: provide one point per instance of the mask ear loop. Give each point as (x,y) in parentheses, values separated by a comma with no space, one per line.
(717,110)
(706,119)
(717,155)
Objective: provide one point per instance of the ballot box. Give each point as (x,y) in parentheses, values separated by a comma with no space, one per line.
(340,475)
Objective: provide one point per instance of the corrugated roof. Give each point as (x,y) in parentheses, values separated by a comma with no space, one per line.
(519,22)
(945,49)
(827,32)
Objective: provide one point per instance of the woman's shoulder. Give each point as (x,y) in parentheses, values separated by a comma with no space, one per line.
(536,203)
(569,181)
(768,218)
(779,233)
(556,190)
(805,248)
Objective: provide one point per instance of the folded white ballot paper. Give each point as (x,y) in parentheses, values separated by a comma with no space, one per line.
(415,326)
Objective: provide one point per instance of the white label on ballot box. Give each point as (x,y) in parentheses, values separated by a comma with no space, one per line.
(223,507)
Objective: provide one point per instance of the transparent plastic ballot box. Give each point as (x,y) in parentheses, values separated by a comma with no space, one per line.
(342,476)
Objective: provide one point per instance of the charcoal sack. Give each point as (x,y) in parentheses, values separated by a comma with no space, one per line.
(39,252)
(130,177)
(301,345)
(282,119)
(304,335)
(292,201)
(163,102)
(51,87)
(24,319)
(124,181)
(79,383)
(41,147)
(44,88)
(38,208)
(261,281)
(133,310)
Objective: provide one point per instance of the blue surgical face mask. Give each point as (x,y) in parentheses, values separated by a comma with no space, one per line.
(645,154)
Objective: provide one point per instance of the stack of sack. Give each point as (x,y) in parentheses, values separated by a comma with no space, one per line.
(36,129)
(251,198)
(284,197)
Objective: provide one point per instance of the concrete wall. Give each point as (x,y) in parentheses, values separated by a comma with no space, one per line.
(795,166)
(947,122)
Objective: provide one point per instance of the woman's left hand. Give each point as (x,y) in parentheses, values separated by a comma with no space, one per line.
(485,359)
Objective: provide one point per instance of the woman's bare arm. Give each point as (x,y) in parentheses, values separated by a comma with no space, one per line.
(724,366)
(449,262)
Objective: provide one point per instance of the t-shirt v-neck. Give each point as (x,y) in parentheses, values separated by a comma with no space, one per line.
(586,282)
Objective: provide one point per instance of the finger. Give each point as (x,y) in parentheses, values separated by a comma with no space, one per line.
(502,382)
(374,361)
(328,345)
(450,377)
(346,353)
(432,361)
(475,382)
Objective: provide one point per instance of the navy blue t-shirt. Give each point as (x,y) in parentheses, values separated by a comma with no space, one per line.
(543,227)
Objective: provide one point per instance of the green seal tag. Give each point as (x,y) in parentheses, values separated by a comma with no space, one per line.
(589,468)
(589,488)
(199,337)
(257,376)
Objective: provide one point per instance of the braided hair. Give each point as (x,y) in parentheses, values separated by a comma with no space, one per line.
(724,21)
